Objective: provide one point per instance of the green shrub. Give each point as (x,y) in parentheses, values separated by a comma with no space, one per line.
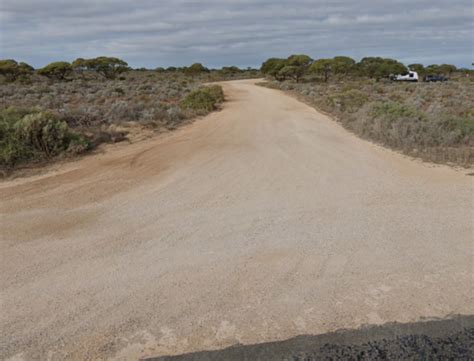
(43,132)
(392,111)
(11,149)
(456,130)
(216,91)
(349,101)
(31,134)
(204,99)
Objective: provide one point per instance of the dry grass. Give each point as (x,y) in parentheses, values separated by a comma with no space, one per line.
(433,121)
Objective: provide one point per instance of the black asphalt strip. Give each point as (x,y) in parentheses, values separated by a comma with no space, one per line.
(447,339)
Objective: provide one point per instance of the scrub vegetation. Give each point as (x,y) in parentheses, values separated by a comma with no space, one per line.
(432,121)
(65,109)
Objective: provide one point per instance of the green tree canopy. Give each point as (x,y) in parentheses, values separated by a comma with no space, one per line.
(297,65)
(273,66)
(12,70)
(447,69)
(109,67)
(378,68)
(322,67)
(342,65)
(57,70)
(230,70)
(419,68)
(196,69)
(288,71)
(299,60)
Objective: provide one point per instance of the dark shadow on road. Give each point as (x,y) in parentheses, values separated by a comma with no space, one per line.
(446,339)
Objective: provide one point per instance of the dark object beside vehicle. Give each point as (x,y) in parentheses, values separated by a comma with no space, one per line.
(434,78)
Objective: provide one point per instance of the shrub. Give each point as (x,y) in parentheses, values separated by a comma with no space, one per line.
(350,100)
(28,134)
(393,111)
(43,132)
(204,99)
(216,91)
(434,122)
(11,148)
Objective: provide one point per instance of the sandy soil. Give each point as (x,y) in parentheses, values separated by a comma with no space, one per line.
(258,223)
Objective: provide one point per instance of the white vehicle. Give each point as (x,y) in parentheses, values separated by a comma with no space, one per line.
(410,76)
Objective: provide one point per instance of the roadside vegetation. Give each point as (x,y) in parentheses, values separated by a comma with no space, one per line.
(65,109)
(432,121)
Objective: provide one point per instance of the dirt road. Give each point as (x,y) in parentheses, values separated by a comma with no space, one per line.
(258,223)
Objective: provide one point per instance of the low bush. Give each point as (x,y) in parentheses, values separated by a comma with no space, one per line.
(89,109)
(204,99)
(32,134)
(392,111)
(432,121)
(350,100)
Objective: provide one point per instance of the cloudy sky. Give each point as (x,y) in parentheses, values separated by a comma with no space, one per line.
(155,33)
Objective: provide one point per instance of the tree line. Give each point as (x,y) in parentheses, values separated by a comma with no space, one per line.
(107,67)
(294,67)
(299,65)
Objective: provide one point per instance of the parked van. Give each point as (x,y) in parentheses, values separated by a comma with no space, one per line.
(410,76)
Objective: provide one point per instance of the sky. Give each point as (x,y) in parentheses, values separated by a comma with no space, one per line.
(152,33)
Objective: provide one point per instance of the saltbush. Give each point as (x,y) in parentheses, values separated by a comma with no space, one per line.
(32,134)
(393,111)
(204,99)
(431,121)
(350,100)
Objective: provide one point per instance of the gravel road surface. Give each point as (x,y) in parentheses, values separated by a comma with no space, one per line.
(261,222)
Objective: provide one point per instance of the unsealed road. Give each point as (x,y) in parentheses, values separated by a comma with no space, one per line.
(260,222)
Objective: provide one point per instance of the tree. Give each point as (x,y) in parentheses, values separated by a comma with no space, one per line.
(230,70)
(273,66)
(288,71)
(342,65)
(11,70)
(56,70)
(109,67)
(419,68)
(322,67)
(447,69)
(80,64)
(297,65)
(376,67)
(196,69)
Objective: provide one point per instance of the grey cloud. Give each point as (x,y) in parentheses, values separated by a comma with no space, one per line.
(152,33)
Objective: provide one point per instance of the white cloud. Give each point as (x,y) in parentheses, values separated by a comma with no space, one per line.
(244,32)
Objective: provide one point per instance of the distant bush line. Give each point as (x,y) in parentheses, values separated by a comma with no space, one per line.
(109,68)
(434,122)
(299,66)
